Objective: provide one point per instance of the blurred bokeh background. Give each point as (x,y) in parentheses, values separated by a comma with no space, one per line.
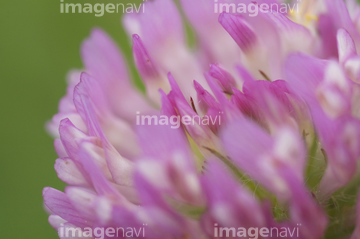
(38,46)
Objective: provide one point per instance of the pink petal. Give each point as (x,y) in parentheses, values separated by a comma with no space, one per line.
(104,62)
(60,205)
(239,30)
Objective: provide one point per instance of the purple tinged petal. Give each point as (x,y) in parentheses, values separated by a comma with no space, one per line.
(334,93)
(168,223)
(152,76)
(313,80)
(161,142)
(327,33)
(337,8)
(53,125)
(176,92)
(219,94)
(342,147)
(56,222)
(239,30)
(104,62)
(179,102)
(68,171)
(227,82)
(102,59)
(143,61)
(244,74)
(91,89)
(166,106)
(107,54)
(230,205)
(268,51)
(337,17)
(200,19)
(86,109)
(348,56)
(60,205)
(245,138)
(83,200)
(289,147)
(304,210)
(209,33)
(262,156)
(346,46)
(60,149)
(246,104)
(127,218)
(215,115)
(195,128)
(304,74)
(230,110)
(159,25)
(162,37)
(89,154)
(206,100)
(169,165)
(248,146)
(70,136)
(176,176)
(111,127)
(340,17)
(268,103)
(119,167)
(294,37)
(352,68)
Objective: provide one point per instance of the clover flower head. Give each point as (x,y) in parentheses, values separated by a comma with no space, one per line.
(283,88)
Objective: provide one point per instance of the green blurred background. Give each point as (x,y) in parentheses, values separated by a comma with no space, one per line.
(38,46)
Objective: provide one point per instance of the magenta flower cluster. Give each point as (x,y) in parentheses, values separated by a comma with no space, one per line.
(285,153)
